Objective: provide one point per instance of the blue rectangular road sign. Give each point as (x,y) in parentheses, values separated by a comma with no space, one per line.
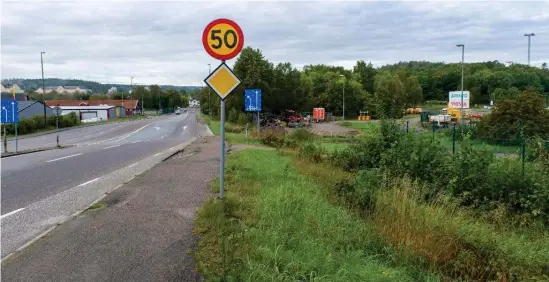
(10,113)
(252,100)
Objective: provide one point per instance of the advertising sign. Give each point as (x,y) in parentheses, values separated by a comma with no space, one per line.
(454,99)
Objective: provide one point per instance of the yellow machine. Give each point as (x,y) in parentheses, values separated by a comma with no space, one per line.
(363,115)
(455,113)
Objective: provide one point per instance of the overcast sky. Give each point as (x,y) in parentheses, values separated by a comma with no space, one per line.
(160,42)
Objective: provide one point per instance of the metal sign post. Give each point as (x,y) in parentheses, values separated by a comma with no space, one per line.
(222,155)
(16,145)
(9,114)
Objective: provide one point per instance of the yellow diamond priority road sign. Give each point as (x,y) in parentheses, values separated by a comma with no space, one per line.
(222,81)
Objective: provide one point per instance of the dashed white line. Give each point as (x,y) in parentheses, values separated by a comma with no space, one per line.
(132,164)
(184,127)
(113,146)
(88,182)
(58,159)
(12,212)
(157,154)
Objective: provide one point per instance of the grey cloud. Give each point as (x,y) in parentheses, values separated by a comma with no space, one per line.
(160,42)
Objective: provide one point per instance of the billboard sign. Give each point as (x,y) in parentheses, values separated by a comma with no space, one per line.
(454,99)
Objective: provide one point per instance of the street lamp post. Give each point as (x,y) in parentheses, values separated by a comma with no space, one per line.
(131,92)
(344,80)
(209,96)
(43,86)
(462,59)
(529,36)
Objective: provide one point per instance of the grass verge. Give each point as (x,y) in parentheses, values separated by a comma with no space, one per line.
(277,225)
(231,137)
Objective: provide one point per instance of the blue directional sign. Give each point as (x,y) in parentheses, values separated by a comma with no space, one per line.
(9,113)
(252,100)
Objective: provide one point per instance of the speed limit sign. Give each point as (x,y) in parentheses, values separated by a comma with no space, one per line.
(223,39)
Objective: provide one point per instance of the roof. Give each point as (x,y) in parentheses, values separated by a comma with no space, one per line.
(86,107)
(52,87)
(21,105)
(128,104)
(71,87)
(18,96)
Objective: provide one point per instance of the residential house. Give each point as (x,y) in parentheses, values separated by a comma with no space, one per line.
(49,89)
(194,103)
(8,88)
(112,90)
(65,89)
(28,109)
(18,96)
(131,106)
(76,89)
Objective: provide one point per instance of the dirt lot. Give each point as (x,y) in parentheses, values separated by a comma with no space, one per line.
(332,129)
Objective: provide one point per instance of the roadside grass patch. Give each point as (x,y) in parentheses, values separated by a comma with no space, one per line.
(238,136)
(277,225)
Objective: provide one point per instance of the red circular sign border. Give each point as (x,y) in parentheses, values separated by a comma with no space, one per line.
(238,48)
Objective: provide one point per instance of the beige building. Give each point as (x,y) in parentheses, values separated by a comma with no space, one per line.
(64,90)
(7,88)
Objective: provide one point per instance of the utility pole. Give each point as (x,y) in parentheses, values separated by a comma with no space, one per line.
(529,36)
(462,59)
(209,96)
(43,86)
(131,92)
(344,80)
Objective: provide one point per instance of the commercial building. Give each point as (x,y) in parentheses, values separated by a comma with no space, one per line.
(131,106)
(94,113)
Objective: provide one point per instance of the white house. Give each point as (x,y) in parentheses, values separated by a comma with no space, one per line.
(194,103)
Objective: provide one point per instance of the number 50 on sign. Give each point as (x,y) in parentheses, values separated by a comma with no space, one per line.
(223,39)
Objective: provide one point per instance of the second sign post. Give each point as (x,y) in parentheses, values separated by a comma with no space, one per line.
(223,39)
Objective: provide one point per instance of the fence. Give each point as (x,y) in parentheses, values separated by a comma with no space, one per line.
(453,134)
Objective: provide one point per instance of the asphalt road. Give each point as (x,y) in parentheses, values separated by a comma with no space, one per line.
(60,182)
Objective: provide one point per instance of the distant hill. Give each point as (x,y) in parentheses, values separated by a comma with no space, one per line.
(96,87)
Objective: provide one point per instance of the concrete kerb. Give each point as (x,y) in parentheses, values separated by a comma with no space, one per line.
(158,159)
(4,155)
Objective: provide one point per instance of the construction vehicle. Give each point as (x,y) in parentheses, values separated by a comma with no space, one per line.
(455,113)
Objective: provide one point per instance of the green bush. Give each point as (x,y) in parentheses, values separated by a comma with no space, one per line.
(469,168)
(302,134)
(231,128)
(312,151)
(273,138)
(419,158)
(27,126)
(233,115)
(242,119)
(39,122)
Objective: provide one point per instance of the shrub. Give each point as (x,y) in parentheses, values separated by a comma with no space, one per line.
(418,157)
(537,150)
(312,151)
(242,119)
(39,122)
(526,109)
(272,137)
(27,126)
(469,168)
(528,195)
(233,115)
(234,128)
(359,156)
(301,134)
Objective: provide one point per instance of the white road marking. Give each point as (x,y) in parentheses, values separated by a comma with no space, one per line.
(184,127)
(12,212)
(157,154)
(133,164)
(113,146)
(54,160)
(88,182)
(157,128)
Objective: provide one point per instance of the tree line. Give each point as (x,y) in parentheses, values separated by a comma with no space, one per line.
(382,91)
